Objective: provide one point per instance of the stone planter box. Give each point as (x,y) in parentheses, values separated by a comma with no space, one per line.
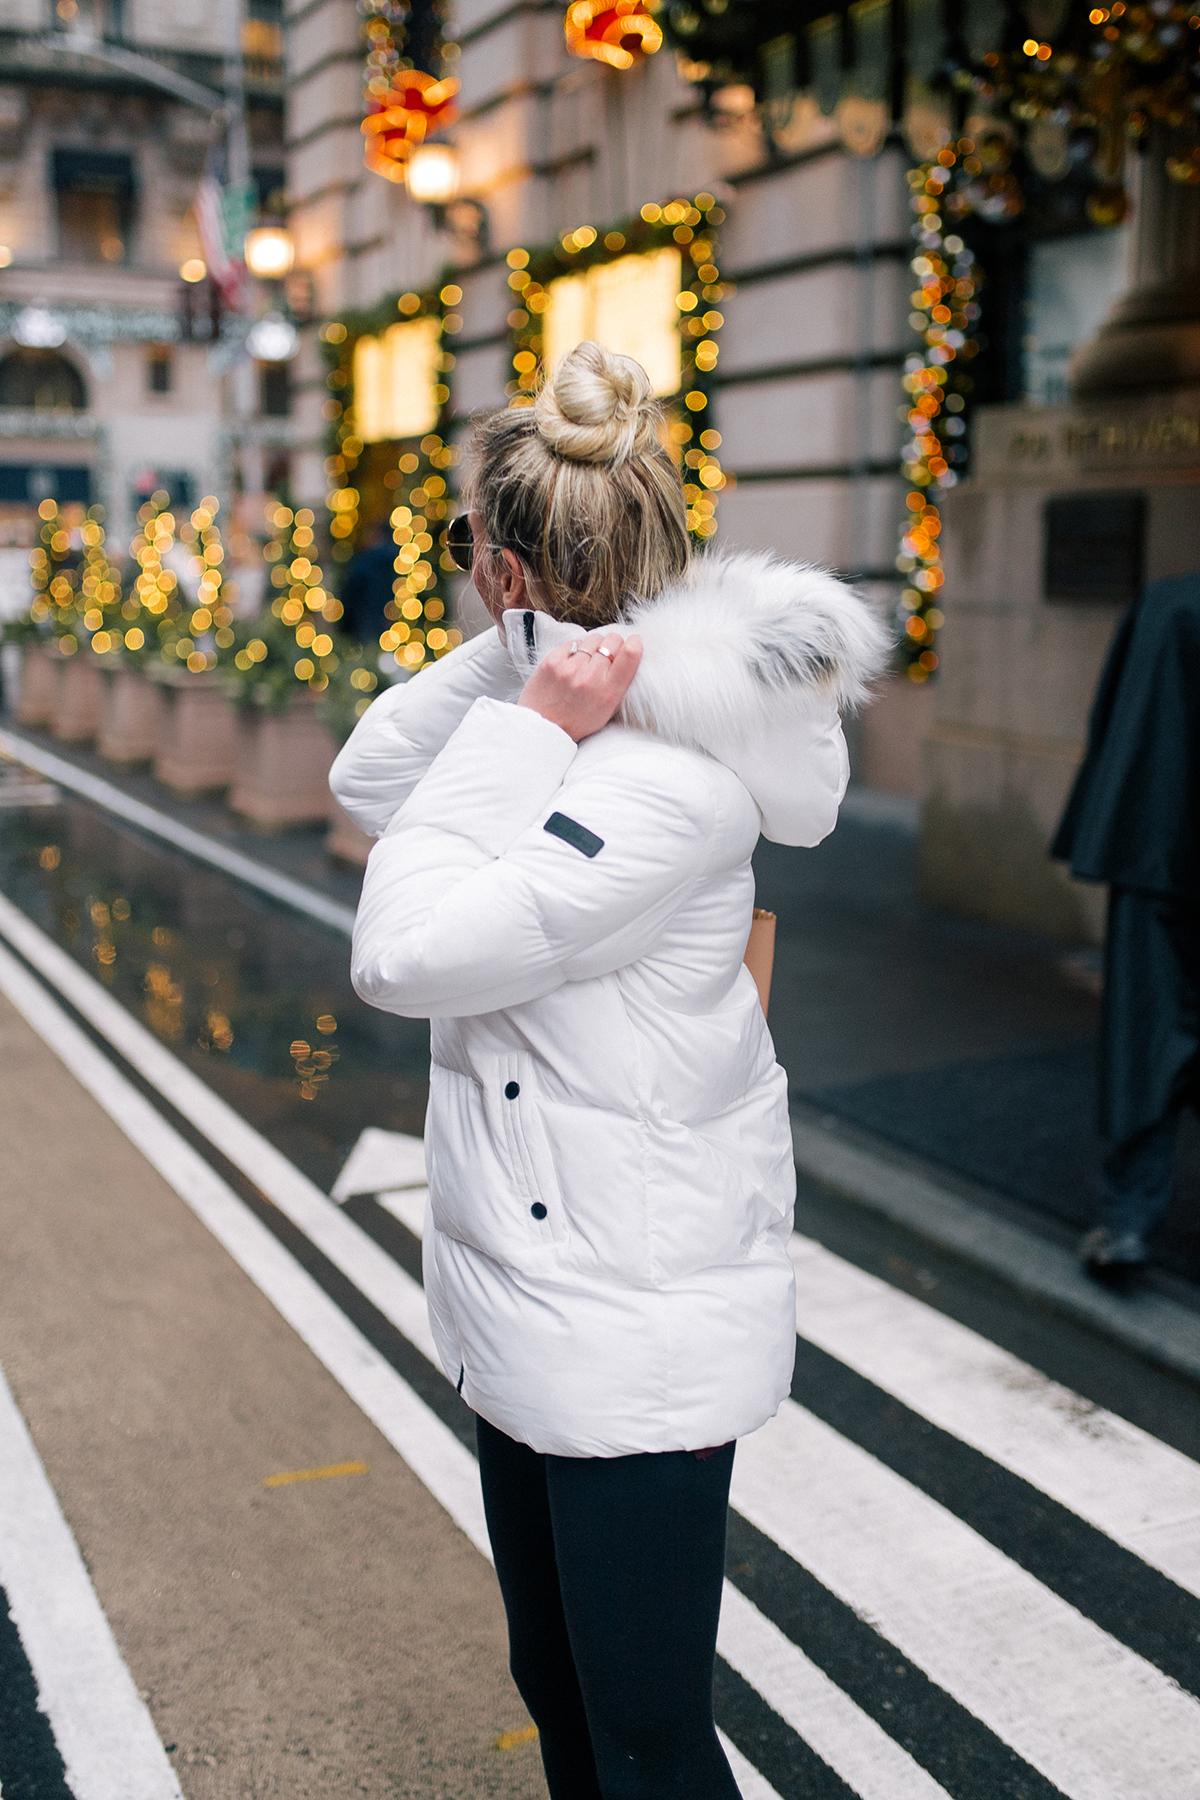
(197,738)
(346,841)
(130,717)
(37,695)
(77,715)
(283,765)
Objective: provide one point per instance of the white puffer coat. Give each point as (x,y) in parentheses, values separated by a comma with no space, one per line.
(610,1164)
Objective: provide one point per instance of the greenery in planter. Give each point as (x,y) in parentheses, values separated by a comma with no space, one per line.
(353,685)
(76,587)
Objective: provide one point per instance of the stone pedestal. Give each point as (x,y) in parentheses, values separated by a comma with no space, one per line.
(1019,669)
(77,715)
(1151,339)
(346,841)
(283,766)
(130,717)
(37,696)
(197,743)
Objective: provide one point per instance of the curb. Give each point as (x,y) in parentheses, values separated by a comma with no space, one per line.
(1155,1327)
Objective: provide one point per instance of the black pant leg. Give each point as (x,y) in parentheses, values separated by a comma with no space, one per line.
(640,1547)
(518,1518)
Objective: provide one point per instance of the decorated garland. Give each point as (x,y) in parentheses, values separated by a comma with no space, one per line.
(692,227)
(945,313)
(617,35)
(403,480)
(405,103)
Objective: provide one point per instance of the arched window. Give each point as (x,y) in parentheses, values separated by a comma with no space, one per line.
(41,379)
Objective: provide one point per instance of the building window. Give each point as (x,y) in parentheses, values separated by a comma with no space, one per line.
(274,390)
(95,195)
(42,380)
(629,306)
(396,377)
(158,369)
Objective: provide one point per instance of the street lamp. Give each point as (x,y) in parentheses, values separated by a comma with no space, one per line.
(270,252)
(432,174)
(273,339)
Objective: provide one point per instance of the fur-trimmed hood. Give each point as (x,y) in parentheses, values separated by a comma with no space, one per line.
(750,658)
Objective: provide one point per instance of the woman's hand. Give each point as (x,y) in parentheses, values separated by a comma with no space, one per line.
(579,687)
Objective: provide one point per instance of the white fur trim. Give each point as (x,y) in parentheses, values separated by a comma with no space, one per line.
(746,640)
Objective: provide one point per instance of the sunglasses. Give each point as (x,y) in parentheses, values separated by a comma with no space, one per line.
(460,542)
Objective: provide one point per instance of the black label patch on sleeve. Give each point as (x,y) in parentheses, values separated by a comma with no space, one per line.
(578,836)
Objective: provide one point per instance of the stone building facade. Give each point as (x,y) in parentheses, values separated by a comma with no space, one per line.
(109,385)
(814,251)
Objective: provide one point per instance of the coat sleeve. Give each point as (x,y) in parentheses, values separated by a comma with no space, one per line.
(398,737)
(495,884)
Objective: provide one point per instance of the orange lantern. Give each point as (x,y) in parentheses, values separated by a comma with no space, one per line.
(414,106)
(617,35)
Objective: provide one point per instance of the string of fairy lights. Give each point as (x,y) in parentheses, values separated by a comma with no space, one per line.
(409,478)
(691,226)
(944,313)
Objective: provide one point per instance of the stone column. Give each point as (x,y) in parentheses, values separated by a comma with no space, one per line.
(1151,339)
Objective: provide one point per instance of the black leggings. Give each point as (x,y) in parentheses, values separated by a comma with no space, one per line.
(611,1572)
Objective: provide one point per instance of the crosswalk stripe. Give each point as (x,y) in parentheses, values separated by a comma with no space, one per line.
(1094,1718)
(1141,1493)
(753,1785)
(865,1757)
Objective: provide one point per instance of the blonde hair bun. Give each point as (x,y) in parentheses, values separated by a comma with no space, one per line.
(597,407)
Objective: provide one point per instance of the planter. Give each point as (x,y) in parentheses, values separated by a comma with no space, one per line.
(77,716)
(37,695)
(130,717)
(284,759)
(197,738)
(346,841)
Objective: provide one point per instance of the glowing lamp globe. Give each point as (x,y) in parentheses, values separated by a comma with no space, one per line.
(270,252)
(273,339)
(431,173)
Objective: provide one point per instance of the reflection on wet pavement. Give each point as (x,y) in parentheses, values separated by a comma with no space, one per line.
(256,1000)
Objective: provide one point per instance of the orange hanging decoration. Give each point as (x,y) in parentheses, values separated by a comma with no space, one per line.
(414,106)
(617,35)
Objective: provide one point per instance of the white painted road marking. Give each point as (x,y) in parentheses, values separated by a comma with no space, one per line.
(1096,1719)
(853,1745)
(105,1735)
(1138,1491)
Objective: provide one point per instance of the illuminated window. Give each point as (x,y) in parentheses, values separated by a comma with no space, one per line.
(629,306)
(395,376)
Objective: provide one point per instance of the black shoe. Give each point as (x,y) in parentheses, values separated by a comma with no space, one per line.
(1115,1259)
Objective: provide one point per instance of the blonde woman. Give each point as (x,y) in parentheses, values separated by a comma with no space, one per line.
(566,807)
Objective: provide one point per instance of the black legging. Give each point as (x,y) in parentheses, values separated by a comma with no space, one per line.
(611,1571)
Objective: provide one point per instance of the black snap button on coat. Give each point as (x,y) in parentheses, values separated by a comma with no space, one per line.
(512,1090)
(538,1210)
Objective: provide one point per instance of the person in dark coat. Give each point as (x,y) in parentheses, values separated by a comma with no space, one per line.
(1133,820)
(367,587)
